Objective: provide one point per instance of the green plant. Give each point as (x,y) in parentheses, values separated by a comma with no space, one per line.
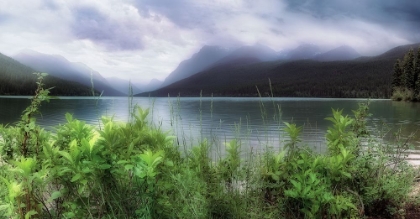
(135,170)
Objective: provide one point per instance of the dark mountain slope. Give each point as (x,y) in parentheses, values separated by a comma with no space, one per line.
(338,54)
(248,55)
(206,57)
(367,77)
(398,52)
(18,79)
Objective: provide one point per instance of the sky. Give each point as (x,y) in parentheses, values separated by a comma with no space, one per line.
(145,39)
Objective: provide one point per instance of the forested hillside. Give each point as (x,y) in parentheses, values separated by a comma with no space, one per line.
(18,79)
(367,77)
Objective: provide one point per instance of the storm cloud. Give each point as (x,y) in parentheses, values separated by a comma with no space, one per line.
(401,16)
(90,23)
(145,39)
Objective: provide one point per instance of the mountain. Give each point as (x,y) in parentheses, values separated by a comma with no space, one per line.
(338,54)
(248,55)
(123,85)
(18,79)
(398,52)
(303,51)
(207,56)
(152,85)
(60,67)
(362,78)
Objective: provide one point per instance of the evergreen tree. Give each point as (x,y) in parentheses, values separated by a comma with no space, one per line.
(397,76)
(417,72)
(409,77)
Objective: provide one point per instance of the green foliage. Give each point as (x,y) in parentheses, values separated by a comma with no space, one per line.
(134,170)
(402,94)
(349,181)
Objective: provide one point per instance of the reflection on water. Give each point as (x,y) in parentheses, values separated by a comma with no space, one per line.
(255,121)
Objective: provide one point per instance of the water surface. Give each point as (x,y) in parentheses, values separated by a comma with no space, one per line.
(258,122)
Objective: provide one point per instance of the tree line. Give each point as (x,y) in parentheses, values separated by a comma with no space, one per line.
(361,78)
(406,77)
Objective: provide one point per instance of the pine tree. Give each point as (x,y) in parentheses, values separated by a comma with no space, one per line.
(417,72)
(397,80)
(409,77)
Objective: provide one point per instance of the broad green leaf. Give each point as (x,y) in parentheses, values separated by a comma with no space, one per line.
(76,177)
(104,166)
(296,184)
(55,195)
(66,155)
(30,213)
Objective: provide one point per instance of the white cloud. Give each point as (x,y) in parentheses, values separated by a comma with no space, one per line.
(145,39)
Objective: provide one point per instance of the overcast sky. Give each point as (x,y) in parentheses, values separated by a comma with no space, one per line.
(145,39)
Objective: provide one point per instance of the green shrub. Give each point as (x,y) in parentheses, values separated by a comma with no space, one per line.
(134,170)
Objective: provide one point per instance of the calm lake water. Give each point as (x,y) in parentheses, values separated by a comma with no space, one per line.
(222,119)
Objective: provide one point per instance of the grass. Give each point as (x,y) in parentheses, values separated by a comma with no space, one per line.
(135,170)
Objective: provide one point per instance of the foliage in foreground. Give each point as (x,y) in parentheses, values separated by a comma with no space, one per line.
(134,170)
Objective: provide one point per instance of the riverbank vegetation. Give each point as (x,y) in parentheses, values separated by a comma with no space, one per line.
(135,170)
(406,77)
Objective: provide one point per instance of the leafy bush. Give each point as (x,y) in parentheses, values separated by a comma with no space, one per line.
(134,170)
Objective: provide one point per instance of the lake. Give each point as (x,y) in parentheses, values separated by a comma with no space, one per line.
(256,121)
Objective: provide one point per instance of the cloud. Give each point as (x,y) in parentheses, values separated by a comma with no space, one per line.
(402,15)
(362,24)
(4,17)
(185,14)
(145,39)
(89,23)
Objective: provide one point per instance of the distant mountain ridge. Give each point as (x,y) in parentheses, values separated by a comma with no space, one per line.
(215,57)
(399,51)
(329,76)
(248,55)
(152,85)
(18,79)
(60,67)
(201,60)
(303,51)
(123,85)
(338,54)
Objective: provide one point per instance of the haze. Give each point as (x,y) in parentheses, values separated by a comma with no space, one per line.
(145,39)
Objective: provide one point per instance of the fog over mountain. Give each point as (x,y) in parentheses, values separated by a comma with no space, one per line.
(19,79)
(142,40)
(212,56)
(303,51)
(204,58)
(338,54)
(336,73)
(152,85)
(60,67)
(123,85)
